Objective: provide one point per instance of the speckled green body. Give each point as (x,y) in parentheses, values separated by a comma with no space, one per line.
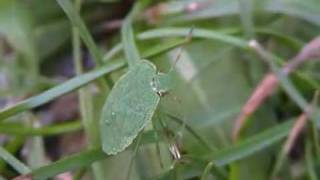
(129,107)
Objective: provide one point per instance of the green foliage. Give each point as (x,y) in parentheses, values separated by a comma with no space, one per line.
(153,104)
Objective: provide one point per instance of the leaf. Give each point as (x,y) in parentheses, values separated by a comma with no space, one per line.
(57,91)
(15,163)
(129,107)
(251,145)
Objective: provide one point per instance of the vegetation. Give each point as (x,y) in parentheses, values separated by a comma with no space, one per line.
(176,89)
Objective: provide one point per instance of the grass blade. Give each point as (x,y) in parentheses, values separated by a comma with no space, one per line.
(20,129)
(245,8)
(15,163)
(128,40)
(309,162)
(80,160)
(250,145)
(197,33)
(72,162)
(57,91)
(77,82)
(76,21)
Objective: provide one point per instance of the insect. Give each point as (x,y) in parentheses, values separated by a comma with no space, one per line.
(134,98)
(131,105)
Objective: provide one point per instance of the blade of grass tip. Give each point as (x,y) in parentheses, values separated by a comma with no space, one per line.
(128,39)
(250,145)
(197,33)
(18,129)
(309,161)
(62,89)
(14,162)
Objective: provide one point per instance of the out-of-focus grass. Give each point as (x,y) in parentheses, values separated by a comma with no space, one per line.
(214,76)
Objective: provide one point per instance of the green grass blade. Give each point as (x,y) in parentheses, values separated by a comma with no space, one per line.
(72,162)
(20,129)
(246,16)
(251,145)
(128,40)
(111,53)
(309,161)
(163,47)
(197,32)
(76,21)
(148,53)
(80,160)
(15,163)
(57,91)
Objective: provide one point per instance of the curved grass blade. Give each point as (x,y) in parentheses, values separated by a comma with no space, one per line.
(57,91)
(197,33)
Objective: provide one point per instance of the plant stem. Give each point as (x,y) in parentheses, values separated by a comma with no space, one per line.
(86,102)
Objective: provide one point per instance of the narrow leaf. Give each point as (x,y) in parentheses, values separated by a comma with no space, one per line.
(57,91)
(128,40)
(250,145)
(76,21)
(15,163)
